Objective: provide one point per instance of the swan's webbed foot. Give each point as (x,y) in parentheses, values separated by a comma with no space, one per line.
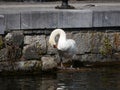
(71,67)
(62,66)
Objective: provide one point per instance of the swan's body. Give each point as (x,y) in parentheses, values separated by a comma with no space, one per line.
(66,47)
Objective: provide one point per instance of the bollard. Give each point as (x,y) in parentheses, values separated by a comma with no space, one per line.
(65,5)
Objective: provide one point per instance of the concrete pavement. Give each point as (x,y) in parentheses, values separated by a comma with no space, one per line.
(44,15)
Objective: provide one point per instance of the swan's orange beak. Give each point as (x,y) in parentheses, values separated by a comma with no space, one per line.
(55,46)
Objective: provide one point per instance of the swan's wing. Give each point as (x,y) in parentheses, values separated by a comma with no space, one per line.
(72,47)
(68,46)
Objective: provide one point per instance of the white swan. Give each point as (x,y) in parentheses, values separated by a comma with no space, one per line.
(66,47)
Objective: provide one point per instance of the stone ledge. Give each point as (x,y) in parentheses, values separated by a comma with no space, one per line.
(40,17)
(26,67)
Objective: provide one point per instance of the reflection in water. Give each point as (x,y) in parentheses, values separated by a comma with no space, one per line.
(94,79)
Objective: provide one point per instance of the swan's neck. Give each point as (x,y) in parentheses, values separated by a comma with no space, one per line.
(62,40)
(61,33)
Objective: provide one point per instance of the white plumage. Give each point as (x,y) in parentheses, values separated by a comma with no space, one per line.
(66,47)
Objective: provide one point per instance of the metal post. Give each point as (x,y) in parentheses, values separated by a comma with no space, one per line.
(65,5)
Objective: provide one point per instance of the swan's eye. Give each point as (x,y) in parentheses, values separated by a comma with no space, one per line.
(55,46)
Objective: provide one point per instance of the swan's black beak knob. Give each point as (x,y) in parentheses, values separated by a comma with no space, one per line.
(55,46)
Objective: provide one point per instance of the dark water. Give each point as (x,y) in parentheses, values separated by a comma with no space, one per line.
(92,79)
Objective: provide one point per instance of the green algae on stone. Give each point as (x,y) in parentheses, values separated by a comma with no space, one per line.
(106,49)
(1,42)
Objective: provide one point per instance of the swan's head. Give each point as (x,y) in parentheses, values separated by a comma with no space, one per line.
(53,36)
(52,43)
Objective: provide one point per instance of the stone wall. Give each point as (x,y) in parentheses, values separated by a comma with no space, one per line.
(30,48)
(93,45)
